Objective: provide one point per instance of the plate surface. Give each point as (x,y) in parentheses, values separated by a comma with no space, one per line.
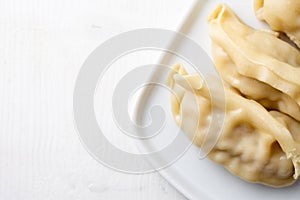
(200,178)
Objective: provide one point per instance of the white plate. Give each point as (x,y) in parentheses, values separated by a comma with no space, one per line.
(200,178)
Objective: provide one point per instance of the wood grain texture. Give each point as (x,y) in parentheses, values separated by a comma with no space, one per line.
(43,44)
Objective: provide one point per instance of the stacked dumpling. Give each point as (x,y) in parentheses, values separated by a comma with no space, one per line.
(260,139)
(281,15)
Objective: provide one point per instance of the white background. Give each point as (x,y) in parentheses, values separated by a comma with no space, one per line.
(43,44)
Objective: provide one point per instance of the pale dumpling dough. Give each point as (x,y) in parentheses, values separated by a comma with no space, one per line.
(257,54)
(251,88)
(253,144)
(281,15)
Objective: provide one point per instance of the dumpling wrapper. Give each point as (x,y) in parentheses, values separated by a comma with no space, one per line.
(281,15)
(291,124)
(269,97)
(253,144)
(257,54)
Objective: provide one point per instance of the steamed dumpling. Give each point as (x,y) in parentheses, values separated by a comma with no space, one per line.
(281,15)
(257,54)
(251,88)
(253,144)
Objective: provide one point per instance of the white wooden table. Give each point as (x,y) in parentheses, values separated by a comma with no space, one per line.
(43,44)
